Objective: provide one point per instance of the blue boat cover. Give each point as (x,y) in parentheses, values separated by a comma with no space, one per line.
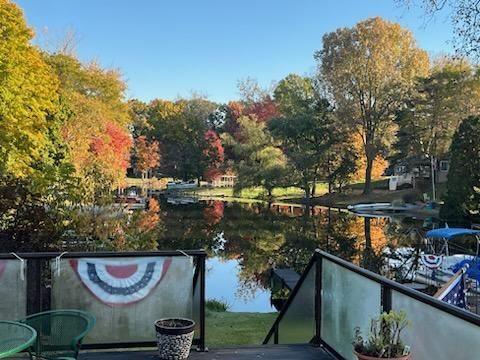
(450,233)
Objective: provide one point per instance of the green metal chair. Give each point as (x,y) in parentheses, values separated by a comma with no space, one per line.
(59,333)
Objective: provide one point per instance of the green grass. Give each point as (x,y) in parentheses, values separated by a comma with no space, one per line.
(230,328)
(376,184)
(259,192)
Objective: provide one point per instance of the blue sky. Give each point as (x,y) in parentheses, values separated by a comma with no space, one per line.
(167,49)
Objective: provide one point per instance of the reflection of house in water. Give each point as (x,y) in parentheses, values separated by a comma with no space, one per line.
(410,174)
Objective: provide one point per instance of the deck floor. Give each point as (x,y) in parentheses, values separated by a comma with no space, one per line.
(274,352)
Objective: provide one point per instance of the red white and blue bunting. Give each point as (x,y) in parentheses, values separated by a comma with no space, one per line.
(431,261)
(121,282)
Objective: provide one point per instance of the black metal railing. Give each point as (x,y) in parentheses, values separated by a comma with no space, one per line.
(38,286)
(387,295)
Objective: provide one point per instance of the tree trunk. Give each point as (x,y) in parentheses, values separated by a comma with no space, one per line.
(367,188)
(269,192)
(306,189)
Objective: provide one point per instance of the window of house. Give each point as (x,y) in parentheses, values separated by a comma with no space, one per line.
(444,165)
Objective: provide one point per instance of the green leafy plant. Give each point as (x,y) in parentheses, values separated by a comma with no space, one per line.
(384,339)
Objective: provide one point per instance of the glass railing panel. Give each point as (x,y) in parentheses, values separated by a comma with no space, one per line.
(298,324)
(126,295)
(13,290)
(348,300)
(436,334)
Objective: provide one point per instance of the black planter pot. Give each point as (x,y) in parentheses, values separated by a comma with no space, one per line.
(174,337)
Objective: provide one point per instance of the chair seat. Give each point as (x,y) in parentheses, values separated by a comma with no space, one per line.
(60,333)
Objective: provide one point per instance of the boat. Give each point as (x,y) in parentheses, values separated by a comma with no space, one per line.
(131,201)
(372,208)
(443,254)
(442,263)
(181,185)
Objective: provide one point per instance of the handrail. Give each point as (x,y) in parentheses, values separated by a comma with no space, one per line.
(53,255)
(387,284)
(38,293)
(286,306)
(417,295)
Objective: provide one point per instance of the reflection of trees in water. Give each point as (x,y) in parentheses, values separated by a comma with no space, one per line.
(213,212)
(260,236)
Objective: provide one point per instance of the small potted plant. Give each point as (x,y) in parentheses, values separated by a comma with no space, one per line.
(174,337)
(383,341)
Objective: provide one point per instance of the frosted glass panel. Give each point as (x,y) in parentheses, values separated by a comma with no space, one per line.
(298,324)
(13,290)
(348,300)
(125,294)
(435,334)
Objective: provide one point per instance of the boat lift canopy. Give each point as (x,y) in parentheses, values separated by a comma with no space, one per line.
(451,233)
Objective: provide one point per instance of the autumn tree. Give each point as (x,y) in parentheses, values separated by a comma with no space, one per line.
(146,155)
(28,94)
(368,69)
(96,129)
(257,101)
(36,176)
(214,155)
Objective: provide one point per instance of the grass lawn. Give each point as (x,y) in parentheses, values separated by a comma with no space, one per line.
(231,328)
(259,192)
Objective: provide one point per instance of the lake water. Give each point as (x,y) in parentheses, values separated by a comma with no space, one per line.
(244,242)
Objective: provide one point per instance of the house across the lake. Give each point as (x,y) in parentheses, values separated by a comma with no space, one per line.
(410,173)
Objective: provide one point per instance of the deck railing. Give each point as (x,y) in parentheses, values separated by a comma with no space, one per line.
(334,296)
(126,291)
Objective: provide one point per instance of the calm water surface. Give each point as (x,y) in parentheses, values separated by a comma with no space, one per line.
(244,242)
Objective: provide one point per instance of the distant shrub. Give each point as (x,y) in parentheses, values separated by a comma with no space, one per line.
(217,305)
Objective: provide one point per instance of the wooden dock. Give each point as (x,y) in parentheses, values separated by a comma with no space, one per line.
(267,352)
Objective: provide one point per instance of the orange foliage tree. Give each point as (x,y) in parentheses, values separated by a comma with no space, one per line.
(147,155)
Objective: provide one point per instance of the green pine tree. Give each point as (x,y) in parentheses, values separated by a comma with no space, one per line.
(462,201)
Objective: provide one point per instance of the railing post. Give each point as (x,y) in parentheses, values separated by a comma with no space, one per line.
(386,299)
(34,286)
(201,345)
(275,335)
(318,298)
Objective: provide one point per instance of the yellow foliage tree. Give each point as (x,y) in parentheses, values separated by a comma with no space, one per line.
(369,70)
(28,94)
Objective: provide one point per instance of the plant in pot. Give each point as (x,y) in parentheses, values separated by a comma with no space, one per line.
(174,337)
(384,340)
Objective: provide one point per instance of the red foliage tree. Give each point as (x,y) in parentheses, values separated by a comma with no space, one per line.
(263,110)
(112,150)
(214,154)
